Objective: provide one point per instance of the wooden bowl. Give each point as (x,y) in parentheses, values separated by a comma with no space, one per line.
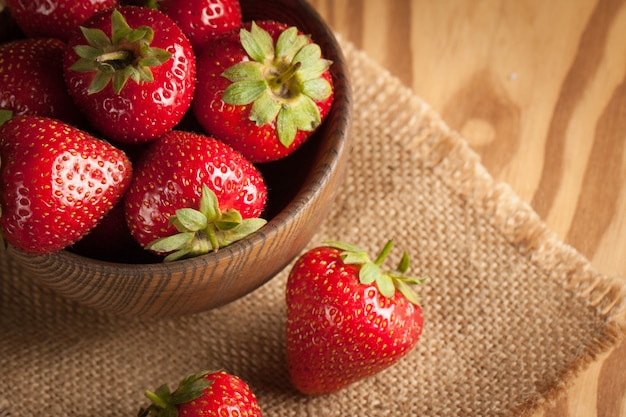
(299,203)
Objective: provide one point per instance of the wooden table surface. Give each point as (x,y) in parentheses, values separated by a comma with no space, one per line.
(538,89)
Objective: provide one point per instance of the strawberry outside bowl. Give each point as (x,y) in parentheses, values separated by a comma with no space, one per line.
(302,188)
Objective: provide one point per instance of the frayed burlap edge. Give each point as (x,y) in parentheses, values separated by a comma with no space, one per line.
(449,156)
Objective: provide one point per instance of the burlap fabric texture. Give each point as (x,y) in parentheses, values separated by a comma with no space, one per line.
(511,313)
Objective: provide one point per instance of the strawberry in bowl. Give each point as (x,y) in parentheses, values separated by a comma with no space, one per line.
(263,90)
(131,71)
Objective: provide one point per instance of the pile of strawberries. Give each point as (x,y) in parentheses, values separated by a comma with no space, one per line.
(127,125)
(145,124)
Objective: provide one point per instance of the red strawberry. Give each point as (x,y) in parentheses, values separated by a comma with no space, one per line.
(147,60)
(192,194)
(54,19)
(202,395)
(203,20)
(263,90)
(111,241)
(57,182)
(31,79)
(345,319)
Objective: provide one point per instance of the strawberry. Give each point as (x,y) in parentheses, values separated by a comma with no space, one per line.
(111,241)
(204,394)
(57,182)
(345,319)
(54,19)
(131,43)
(263,90)
(203,20)
(192,194)
(31,79)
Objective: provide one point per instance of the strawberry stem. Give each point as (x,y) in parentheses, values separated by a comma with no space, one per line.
(117,59)
(383,253)
(281,85)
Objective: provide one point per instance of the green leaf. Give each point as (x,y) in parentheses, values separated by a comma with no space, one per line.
(313,66)
(258,44)
(189,220)
(142,33)
(244,92)
(246,228)
(95,37)
(171,243)
(248,70)
(286,126)
(144,74)
(369,273)
(289,44)
(162,55)
(408,292)
(100,80)
(317,89)
(84,65)
(5,116)
(404,264)
(355,258)
(119,27)
(229,220)
(179,254)
(265,109)
(209,205)
(385,285)
(88,51)
(306,114)
(119,80)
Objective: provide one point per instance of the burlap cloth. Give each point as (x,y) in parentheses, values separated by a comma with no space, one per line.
(511,313)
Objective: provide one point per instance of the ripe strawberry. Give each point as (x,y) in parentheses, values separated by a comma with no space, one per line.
(203,20)
(140,44)
(111,241)
(345,321)
(57,19)
(192,194)
(263,90)
(202,395)
(57,182)
(31,79)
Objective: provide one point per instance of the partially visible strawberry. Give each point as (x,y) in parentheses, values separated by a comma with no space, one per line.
(54,19)
(132,72)
(192,194)
(111,241)
(263,90)
(202,395)
(31,79)
(58,182)
(345,319)
(203,20)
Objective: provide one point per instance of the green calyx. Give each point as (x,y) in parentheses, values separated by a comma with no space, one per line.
(5,116)
(164,401)
(204,230)
(126,55)
(371,272)
(282,81)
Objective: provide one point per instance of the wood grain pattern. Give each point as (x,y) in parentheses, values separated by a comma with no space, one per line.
(539,91)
